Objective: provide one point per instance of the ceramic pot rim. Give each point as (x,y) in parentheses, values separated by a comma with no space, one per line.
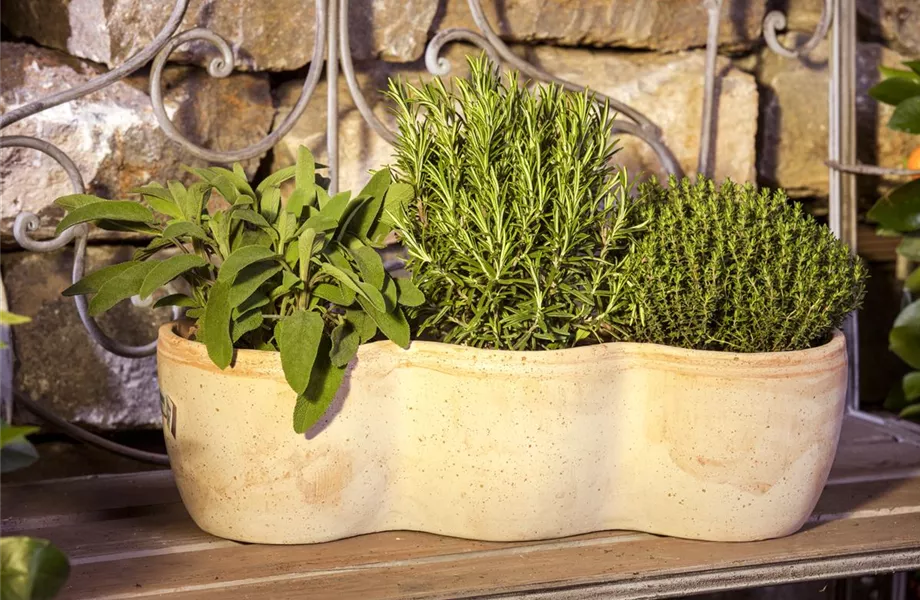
(831,355)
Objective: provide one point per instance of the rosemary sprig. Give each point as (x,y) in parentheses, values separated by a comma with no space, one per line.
(519,221)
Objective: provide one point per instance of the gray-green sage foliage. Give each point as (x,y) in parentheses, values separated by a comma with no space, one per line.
(299,276)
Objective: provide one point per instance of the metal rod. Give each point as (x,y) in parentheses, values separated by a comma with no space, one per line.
(861,169)
(707,131)
(842,150)
(332,98)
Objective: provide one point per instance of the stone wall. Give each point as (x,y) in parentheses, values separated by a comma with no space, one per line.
(772,122)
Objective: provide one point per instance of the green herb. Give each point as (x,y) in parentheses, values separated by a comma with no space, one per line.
(733,268)
(301,276)
(898,213)
(518,221)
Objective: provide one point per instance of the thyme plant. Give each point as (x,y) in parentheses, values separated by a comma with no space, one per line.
(733,268)
(300,277)
(519,220)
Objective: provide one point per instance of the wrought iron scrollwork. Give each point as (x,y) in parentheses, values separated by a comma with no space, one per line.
(775,21)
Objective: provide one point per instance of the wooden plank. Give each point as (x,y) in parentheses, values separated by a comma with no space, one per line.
(110,573)
(53,502)
(486,572)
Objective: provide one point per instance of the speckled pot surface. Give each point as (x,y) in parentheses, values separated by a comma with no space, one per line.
(498,445)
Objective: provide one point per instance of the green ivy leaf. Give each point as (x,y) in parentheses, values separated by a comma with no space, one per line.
(909,316)
(913,281)
(117,210)
(409,294)
(899,210)
(31,569)
(906,117)
(910,384)
(298,336)
(345,341)
(121,286)
(165,271)
(911,412)
(14,433)
(905,342)
(8,318)
(241,259)
(895,90)
(217,325)
(325,381)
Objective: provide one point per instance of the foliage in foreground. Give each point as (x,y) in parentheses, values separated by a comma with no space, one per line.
(300,276)
(736,269)
(519,221)
(898,213)
(30,568)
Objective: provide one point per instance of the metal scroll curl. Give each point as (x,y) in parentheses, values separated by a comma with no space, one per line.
(221,67)
(775,21)
(27,222)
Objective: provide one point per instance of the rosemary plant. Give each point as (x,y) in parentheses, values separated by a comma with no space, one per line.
(519,221)
(732,268)
(300,277)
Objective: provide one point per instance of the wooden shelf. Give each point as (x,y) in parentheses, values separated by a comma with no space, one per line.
(128,536)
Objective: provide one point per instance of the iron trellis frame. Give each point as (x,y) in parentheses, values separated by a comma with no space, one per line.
(331,49)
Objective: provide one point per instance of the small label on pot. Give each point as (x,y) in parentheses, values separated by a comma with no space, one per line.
(168,408)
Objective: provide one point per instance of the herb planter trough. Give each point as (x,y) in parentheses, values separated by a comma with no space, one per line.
(499,445)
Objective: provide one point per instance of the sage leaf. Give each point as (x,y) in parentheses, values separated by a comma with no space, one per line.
(122,286)
(182,229)
(370,265)
(247,322)
(305,251)
(167,270)
(913,281)
(250,279)
(241,259)
(345,341)
(335,208)
(298,336)
(275,180)
(368,292)
(118,210)
(362,323)
(397,198)
(409,294)
(74,201)
(334,293)
(392,324)
(91,283)
(325,381)
(305,170)
(217,325)
(256,300)
(176,300)
(270,204)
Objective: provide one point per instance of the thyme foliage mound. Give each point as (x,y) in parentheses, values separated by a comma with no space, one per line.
(519,222)
(736,269)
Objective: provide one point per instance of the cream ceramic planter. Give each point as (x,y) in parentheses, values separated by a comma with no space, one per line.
(499,445)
